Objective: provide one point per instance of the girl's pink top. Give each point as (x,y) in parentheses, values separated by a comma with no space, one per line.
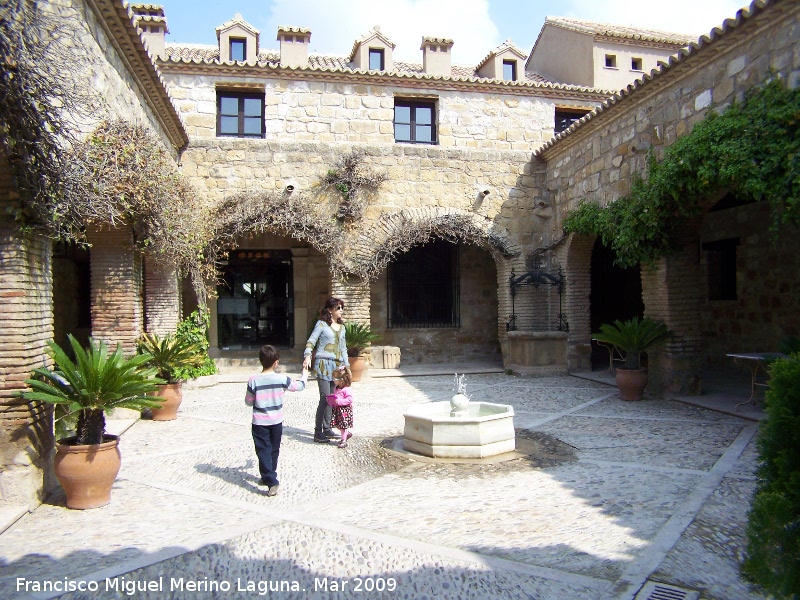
(341,397)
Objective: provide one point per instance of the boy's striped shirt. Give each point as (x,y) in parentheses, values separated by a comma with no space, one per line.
(265,394)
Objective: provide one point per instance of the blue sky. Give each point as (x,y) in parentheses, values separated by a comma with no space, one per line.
(476,26)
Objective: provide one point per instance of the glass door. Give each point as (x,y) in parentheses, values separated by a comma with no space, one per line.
(256,304)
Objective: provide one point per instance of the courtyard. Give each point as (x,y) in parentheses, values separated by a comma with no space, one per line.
(604,499)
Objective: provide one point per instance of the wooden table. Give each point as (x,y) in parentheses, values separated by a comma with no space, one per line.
(756,361)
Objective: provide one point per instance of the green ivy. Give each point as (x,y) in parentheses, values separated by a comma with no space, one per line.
(194,329)
(751,150)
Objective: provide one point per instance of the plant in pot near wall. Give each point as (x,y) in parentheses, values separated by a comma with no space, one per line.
(97,382)
(358,337)
(170,355)
(631,338)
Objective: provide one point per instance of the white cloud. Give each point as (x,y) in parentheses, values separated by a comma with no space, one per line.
(336,24)
(681,16)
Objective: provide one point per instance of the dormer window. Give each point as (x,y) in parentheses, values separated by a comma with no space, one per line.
(611,61)
(376,61)
(510,70)
(238,47)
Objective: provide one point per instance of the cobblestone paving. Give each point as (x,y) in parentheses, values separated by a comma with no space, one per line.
(614,494)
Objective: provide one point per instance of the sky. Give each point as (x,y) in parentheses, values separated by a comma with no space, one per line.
(475,26)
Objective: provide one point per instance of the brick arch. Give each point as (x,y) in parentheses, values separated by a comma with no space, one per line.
(392,234)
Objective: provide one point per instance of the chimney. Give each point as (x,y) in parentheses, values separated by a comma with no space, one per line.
(436,58)
(294,46)
(151,20)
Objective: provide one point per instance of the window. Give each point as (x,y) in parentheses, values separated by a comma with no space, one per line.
(414,122)
(636,64)
(423,287)
(721,261)
(611,61)
(376,59)
(238,49)
(566,117)
(510,70)
(240,115)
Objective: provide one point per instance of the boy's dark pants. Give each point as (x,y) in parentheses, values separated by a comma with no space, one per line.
(267,439)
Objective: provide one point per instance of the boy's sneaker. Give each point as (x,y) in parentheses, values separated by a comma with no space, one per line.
(330,434)
(273,490)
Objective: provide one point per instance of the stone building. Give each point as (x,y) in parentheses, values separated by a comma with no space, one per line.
(477,183)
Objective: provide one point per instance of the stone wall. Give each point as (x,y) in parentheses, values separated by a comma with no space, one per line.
(597,161)
(332,113)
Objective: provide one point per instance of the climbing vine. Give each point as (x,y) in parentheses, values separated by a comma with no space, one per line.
(751,150)
(353,182)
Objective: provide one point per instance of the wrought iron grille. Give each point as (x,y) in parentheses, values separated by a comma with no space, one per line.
(424,290)
(535,278)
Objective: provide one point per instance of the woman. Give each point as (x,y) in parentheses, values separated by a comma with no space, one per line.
(327,340)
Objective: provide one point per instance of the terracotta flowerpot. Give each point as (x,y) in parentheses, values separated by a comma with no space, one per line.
(169,409)
(358,364)
(87,472)
(631,383)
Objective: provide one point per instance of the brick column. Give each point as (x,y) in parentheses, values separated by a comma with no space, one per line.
(116,288)
(576,256)
(672,291)
(162,299)
(355,293)
(26,293)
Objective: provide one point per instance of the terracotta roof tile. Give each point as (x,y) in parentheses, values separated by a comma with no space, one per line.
(622,31)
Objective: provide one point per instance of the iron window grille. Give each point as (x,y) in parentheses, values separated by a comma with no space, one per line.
(240,115)
(424,288)
(415,122)
(566,117)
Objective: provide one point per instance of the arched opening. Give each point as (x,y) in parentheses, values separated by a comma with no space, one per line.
(438,304)
(616,293)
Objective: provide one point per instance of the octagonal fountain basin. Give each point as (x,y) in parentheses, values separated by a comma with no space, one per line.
(484,429)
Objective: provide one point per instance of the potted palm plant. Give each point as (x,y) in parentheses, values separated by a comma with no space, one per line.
(631,338)
(358,337)
(170,355)
(97,382)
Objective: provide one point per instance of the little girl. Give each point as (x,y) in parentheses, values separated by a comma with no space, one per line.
(341,403)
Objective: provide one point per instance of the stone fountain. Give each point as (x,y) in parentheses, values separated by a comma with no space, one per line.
(459,428)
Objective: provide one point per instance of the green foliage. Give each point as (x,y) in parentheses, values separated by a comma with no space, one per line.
(94,384)
(169,353)
(357,337)
(773,529)
(632,337)
(194,330)
(751,150)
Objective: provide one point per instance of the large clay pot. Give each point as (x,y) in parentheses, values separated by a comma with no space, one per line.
(169,409)
(87,472)
(358,364)
(631,383)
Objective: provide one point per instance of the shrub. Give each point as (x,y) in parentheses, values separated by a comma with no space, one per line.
(194,330)
(773,529)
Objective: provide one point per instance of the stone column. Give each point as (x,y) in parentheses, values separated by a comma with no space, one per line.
(26,293)
(576,257)
(301,296)
(116,288)
(162,299)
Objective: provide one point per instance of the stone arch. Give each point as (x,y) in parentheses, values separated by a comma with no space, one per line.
(376,245)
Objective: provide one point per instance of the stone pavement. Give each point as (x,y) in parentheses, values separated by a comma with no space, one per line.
(617,500)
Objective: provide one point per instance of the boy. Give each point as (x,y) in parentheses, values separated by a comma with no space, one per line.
(265,394)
